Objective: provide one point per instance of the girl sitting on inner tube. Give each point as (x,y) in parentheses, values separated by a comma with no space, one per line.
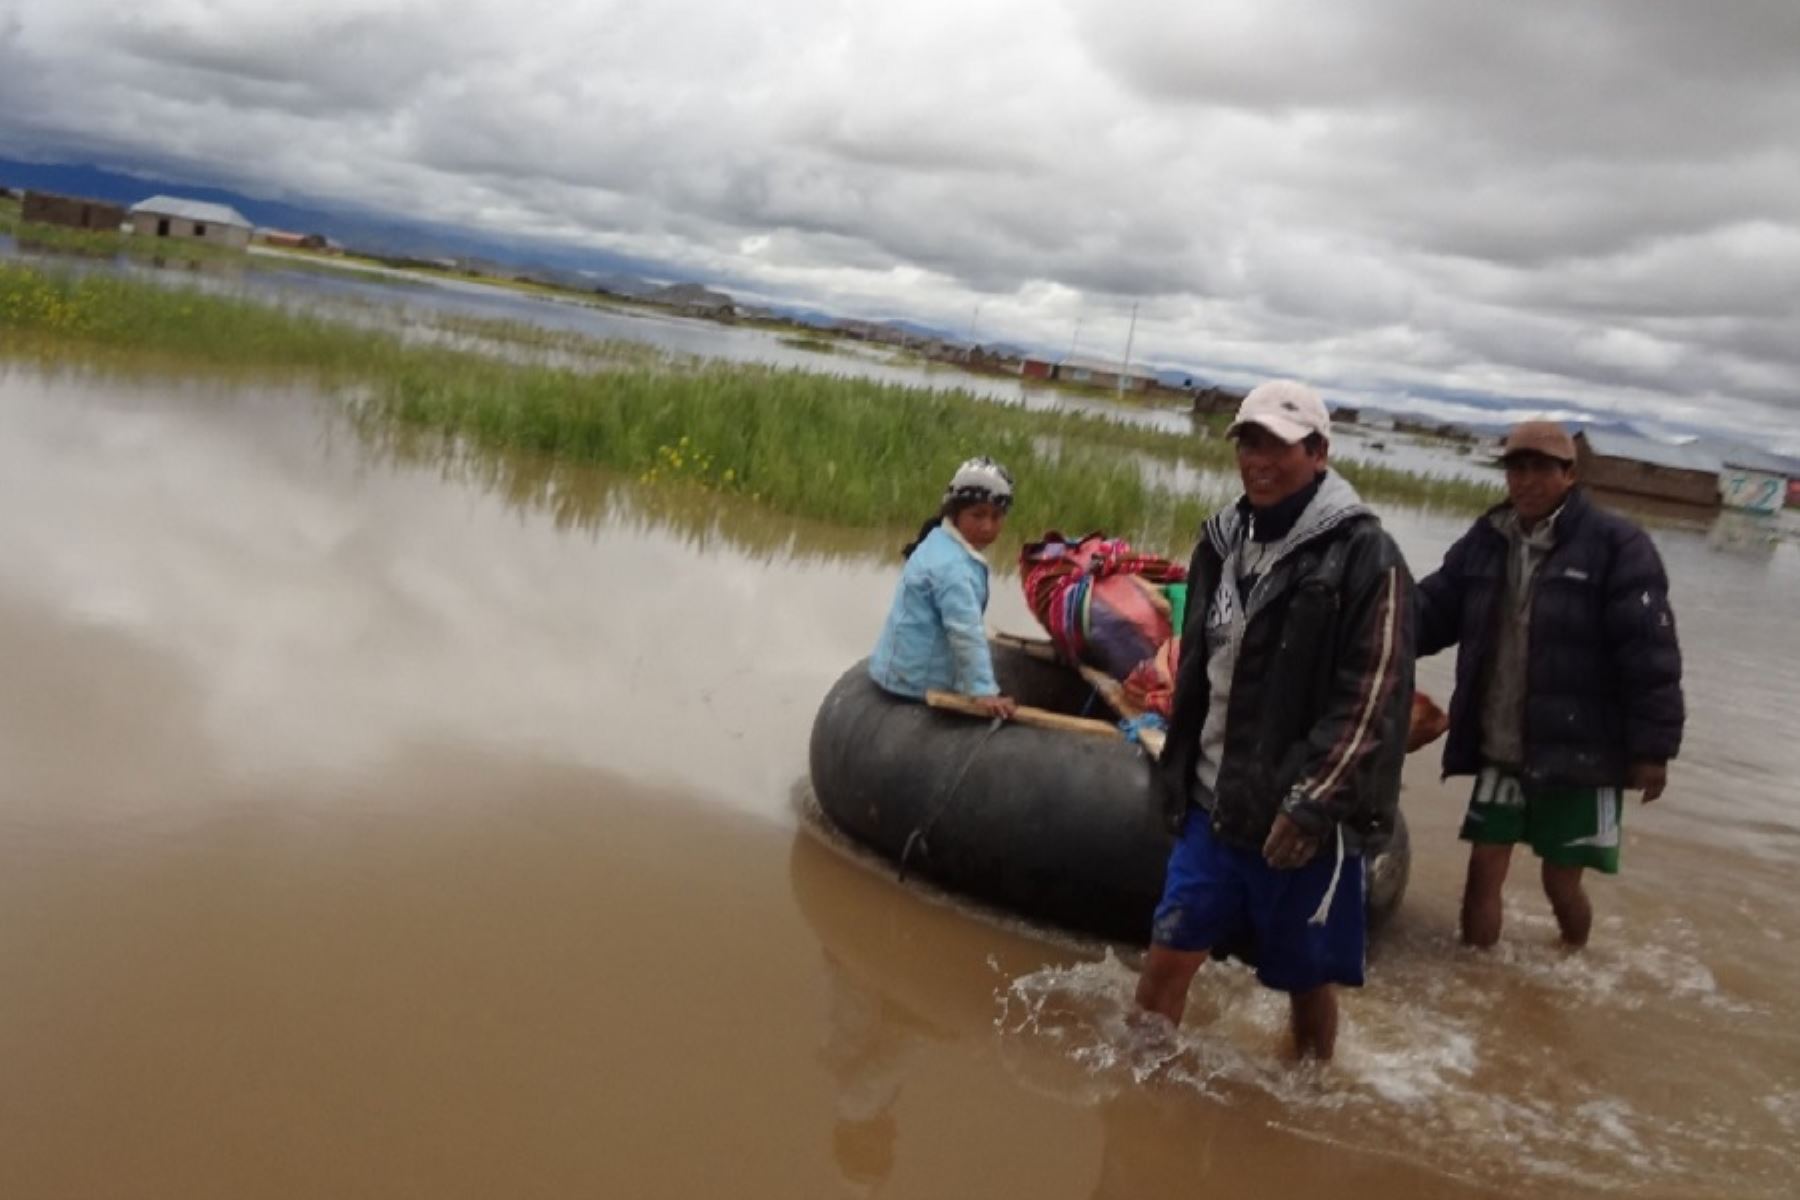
(934,638)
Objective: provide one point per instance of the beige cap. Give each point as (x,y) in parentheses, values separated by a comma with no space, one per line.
(1286,408)
(1540,437)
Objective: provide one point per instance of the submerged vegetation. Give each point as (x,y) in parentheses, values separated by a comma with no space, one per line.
(809,341)
(850,451)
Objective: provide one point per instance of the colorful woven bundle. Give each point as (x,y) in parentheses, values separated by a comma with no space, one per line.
(1101,601)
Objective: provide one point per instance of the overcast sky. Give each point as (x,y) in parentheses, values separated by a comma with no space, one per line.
(1594,203)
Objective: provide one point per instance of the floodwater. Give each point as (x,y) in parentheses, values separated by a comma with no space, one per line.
(371,825)
(387,296)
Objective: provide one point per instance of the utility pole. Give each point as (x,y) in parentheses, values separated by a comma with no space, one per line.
(1073,338)
(1130,334)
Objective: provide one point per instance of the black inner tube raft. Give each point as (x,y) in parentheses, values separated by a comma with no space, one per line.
(1057,827)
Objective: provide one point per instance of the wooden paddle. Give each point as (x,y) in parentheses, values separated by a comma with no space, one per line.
(1037,718)
(1043,718)
(1109,689)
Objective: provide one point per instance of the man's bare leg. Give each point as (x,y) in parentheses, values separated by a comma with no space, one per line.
(1163,983)
(1481,908)
(1313,1016)
(1574,915)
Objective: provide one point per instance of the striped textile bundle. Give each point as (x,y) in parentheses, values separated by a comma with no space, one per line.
(1101,601)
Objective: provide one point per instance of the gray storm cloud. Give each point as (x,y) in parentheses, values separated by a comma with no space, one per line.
(1596,204)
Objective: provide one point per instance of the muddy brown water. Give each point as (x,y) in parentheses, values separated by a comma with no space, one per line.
(372,827)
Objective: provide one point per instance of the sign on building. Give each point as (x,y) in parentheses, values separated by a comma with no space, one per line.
(1752,491)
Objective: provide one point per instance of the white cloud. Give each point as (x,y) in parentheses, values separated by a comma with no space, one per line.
(1596,203)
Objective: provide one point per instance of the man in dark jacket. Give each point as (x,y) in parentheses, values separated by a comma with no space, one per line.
(1568,680)
(1281,766)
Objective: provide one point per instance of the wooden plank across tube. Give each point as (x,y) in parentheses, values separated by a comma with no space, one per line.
(1037,718)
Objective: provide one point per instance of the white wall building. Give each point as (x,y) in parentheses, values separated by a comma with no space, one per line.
(190,220)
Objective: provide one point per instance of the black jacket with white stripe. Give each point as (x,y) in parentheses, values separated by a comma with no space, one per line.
(1321,693)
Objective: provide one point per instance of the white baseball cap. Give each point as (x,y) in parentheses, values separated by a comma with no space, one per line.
(1286,408)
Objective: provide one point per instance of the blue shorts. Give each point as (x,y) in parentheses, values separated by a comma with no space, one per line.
(1229,901)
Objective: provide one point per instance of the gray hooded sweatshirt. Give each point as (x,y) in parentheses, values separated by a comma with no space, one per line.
(1229,610)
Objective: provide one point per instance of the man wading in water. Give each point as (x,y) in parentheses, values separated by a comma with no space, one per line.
(1568,680)
(1292,702)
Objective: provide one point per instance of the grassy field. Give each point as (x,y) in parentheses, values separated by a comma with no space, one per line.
(93,243)
(853,452)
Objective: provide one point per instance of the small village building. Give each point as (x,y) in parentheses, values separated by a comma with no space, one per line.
(282,239)
(190,220)
(696,300)
(1095,372)
(889,334)
(71,212)
(1629,465)
(1088,372)
(1753,482)
(1217,401)
(1345,415)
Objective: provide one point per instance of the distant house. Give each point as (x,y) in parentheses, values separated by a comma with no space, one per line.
(72,212)
(190,220)
(1216,401)
(1345,415)
(695,300)
(1753,482)
(1637,466)
(281,239)
(1099,373)
(890,334)
(862,331)
(1089,371)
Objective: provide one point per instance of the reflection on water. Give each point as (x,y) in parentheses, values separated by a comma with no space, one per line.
(591,500)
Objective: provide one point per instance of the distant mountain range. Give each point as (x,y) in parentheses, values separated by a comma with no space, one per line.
(356,228)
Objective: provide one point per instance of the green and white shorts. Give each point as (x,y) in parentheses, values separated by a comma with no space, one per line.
(1567,826)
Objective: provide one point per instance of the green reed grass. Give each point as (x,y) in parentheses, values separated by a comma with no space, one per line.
(851,451)
(97,243)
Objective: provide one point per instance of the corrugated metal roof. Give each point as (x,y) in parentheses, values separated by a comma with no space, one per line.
(1693,457)
(191,210)
(1756,460)
(1078,363)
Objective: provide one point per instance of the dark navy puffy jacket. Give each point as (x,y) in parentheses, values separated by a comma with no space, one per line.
(1604,668)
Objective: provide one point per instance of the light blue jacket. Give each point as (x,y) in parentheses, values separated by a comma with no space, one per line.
(934,636)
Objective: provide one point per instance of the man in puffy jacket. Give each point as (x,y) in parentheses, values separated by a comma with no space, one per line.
(1568,679)
(1281,766)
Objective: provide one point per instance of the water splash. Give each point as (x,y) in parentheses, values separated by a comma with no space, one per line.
(1429,1064)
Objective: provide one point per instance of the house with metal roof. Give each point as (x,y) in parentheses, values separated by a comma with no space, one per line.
(190,220)
(1703,473)
(1092,372)
(1754,481)
(1627,464)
